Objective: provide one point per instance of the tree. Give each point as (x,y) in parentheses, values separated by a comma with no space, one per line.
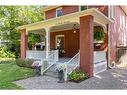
(14,16)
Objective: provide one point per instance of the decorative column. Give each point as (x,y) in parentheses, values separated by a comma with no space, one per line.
(23,43)
(86,44)
(47,41)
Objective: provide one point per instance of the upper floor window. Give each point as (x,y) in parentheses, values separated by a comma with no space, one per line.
(112,12)
(82,8)
(122,21)
(59,12)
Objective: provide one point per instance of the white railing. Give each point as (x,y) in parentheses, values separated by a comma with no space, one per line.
(100,62)
(72,64)
(33,54)
(53,55)
(52,59)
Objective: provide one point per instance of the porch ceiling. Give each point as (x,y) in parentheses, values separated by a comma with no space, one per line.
(99,18)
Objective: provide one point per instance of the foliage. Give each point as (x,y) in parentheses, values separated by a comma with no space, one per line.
(78,75)
(32,39)
(10,72)
(14,16)
(4,53)
(98,33)
(24,62)
(7,60)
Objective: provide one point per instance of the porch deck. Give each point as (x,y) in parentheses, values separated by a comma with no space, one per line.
(63,60)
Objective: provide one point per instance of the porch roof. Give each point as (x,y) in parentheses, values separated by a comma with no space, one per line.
(99,18)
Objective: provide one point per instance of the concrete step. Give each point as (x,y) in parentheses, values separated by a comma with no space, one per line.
(51,74)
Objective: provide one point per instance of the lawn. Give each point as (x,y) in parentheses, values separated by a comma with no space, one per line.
(10,72)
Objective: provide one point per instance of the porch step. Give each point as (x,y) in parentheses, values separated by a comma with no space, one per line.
(51,74)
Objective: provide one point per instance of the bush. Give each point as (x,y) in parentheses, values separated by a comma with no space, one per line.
(4,53)
(7,60)
(25,62)
(77,76)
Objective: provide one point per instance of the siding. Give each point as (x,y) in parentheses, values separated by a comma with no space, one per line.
(71,9)
(116,34)
(71,41)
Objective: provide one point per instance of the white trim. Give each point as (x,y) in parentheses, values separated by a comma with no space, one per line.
(56,39)
(47,8)
(47,41)
(73,17)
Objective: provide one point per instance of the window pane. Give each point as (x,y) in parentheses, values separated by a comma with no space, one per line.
(59,12)
(83,8)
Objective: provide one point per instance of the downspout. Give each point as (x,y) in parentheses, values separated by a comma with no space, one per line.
(108,64)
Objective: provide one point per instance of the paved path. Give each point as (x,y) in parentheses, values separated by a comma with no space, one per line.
(110,79)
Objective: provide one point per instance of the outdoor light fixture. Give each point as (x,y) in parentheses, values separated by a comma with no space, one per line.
(75,28)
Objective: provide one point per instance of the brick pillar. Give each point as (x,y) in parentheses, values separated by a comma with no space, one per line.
(23,44)
(86,44)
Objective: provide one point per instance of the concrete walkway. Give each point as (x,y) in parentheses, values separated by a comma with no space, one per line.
(110,79)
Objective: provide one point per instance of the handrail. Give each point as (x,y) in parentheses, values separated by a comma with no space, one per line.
(71,66)
(72,58)
(50,60)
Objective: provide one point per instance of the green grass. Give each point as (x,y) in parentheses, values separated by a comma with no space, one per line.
(10,72)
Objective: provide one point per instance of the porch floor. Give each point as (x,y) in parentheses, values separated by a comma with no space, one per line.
(63,59)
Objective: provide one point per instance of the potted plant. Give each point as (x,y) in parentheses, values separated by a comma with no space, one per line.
(60,69)
(98,34)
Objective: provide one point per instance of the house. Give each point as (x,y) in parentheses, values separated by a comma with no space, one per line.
(69,34)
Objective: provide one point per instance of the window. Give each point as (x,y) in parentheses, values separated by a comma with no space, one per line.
(59,12)
(112,12)
(82,8)
(122,21)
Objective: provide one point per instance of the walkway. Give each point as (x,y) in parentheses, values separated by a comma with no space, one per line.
(110,79)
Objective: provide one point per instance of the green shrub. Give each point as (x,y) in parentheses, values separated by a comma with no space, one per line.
(25,62)
(7,60)
(77,75)
(4,53)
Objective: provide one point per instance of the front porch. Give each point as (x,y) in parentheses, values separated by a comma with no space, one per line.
(57,28)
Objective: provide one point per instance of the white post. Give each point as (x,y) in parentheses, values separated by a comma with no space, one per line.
(47,41)
(65,73)
(56,55)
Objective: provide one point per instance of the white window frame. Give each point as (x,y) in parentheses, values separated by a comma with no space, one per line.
(122,21)
(80,7)
(112,12)
(57,10)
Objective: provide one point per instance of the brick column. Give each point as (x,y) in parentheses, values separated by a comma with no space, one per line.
(86,44)
(23,44)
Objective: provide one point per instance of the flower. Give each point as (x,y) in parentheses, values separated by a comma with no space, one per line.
(60,67)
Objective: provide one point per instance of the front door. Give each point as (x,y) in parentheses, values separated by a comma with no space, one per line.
(60,44)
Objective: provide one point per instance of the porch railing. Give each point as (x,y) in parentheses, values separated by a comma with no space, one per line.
(41,55)
(72,64)
(47,63)
(53,55)
(33,54)
(100,62)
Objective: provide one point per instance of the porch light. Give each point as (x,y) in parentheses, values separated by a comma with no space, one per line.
(75,28)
